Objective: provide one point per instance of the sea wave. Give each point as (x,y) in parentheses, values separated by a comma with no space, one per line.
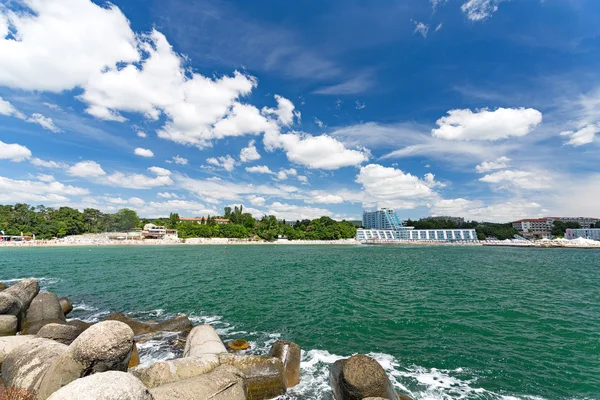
(44,282)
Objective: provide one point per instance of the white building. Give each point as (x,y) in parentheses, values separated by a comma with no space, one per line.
(592,233)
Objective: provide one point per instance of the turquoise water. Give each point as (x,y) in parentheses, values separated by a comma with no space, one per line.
(446,322)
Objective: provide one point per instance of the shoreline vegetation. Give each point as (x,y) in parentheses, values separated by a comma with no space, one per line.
(44,355)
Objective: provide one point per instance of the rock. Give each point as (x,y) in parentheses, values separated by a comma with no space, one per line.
(224,383)
(177,324)
(203,339)
(105,346)
(134,360)
(290,355)
(64,334)
(165,372)
(65,305)
(360,377)
(264,374)
(13,393)
(44,309)
(138,328)
(81,325)
(402,396)
(26,365)
(2,287)
(237,345)
(9,304)
(375,398)
(24,290)
(110,385)
(9,343)
(8,325)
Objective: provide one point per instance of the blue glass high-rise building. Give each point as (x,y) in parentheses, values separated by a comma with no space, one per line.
(382,219)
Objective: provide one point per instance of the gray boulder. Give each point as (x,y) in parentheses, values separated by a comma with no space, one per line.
(81,325)
(224,383)
(165,372)
(25,366)
(64,334)
(9,304)
(264,375)
(110,385)
(9,343)
(65,305)
(2,286)
(290,355)
(360,377)
(178,324)
(24,290)
(105,346)
(44,309)
(203,339)
(8,325)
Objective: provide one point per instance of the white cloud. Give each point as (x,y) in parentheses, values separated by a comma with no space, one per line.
(391,187)
(45,178)
(421,28)
(136,201)
(320,198)
(284,111)
(302,179)
(502,212)
(178,160)
(86,169)
(285,173)
(294,212)
(437,28)
(167,195)
(61,43)
(521,179)
(500,163)
(584,135)
(14,152)
(487,125)
(44,122)
(143,152)
(159,171)
(6,108)
(13,190)
(478,10)
(226,162)
(48,164)
(260,169)
(319,123)
(136,181)
(141,134)
(256,200)
(322,152)
(249,153)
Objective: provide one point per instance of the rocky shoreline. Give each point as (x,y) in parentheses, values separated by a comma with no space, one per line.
(45,356)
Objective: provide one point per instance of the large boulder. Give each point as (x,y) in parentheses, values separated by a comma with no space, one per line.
(105,346)
(111,385)
(223,383)
(134,360)
(10,305)
(177,324)
(138,328)
(290,355)
(44,309)
(65,305)
(24,290)
(2,286)
(264,375)
(9,343)
(203,339)
(64,334)
(80,325)
(8,325)
(26,365)
(360,377)
(165,372)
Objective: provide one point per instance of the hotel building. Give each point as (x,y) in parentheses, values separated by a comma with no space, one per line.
(592,233)
(385,226)
(542,227)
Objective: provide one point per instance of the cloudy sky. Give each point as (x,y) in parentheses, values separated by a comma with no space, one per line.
(487,109)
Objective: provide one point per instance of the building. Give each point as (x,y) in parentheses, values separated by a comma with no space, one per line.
(542,227)
(456,220)
(385,226)
(203,220)
(590,233)
(152,231)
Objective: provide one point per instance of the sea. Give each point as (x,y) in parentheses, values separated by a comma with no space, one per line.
(446,322)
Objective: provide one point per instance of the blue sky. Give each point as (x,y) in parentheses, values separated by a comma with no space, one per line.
(487,109)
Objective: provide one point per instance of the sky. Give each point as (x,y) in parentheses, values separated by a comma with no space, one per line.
(485,109)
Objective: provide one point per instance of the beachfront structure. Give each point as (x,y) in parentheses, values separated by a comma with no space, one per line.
(591,233)
(542,227)
(152,231)
(385,226)
(203,220)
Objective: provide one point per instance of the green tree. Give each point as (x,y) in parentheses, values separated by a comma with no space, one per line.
(173,221)
(126,219)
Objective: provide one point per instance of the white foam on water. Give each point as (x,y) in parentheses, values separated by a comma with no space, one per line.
(84,307)
(43,281)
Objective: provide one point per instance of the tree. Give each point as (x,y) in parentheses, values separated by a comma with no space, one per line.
(173,221)
(126,219)
(227,213)
(559,228)
(597,225)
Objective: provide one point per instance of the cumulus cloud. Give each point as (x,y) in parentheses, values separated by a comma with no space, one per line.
(167,195)
(501,212)
(521,179)
(143,152)
(478,10)
(226,162)
(141,134)
(321,198)
(284,112)
(14,190)
(86,169)
(256,200)
(249,153)
(500,163)
(6,108)
(137,181)
(260,169)
(177,160)
(484,124)
(159,171)
(294,212)
(285,173)
(584,135)
(14,152)
(48,164)
(44,122)
(391,187)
